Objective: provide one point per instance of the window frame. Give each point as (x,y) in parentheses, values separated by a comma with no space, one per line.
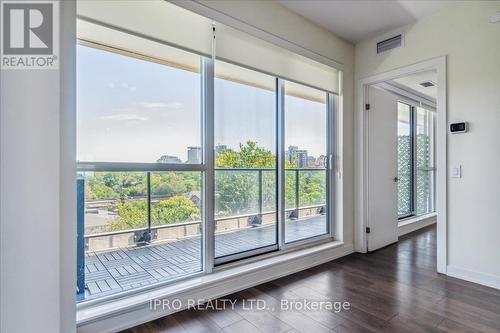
(207,169)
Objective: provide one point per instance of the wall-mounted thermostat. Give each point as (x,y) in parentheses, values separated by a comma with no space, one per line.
(456,128)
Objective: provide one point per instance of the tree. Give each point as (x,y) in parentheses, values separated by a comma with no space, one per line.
(250,156)
(115,185)
(131,215)
(168,184)
(173,210)
(134,215)
(236,191)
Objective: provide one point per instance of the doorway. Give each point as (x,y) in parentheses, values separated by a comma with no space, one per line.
(401,156)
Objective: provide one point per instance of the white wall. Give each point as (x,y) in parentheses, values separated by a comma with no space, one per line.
(37,191)
(280,21)
(472,45)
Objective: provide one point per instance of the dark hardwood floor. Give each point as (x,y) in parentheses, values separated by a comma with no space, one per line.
(395,289)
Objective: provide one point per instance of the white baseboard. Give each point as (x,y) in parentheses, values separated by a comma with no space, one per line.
(135,310)
(485,279)
(413,224)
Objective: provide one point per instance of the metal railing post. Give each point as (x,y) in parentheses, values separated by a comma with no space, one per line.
(260,193)
(149,201)
(297,205)
(80,239)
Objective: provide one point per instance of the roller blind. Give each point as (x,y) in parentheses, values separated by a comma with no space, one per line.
(113,40)
(241,48)
(156,19)
(146,26)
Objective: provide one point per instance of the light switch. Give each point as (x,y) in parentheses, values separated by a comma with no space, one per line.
(456,171)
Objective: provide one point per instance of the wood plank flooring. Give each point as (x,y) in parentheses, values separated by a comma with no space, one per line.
(395,289)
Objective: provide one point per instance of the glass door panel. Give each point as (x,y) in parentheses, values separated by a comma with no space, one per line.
(425,162)
(405,161)
(245,162)
(306,151)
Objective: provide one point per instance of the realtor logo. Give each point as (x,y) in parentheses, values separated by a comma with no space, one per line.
(28,35)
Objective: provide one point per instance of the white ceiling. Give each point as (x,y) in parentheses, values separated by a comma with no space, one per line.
(357,20)
(413,83)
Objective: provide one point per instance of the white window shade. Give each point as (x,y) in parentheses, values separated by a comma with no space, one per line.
(241,48)
(229,72)
(149,27)
(304,92)
(155,19)
(116,41)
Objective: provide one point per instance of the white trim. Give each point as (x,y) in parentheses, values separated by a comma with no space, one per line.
(204,10)
(412,224)
(131,311)
(361,179)
(485,279)
(337,205)
(67,171)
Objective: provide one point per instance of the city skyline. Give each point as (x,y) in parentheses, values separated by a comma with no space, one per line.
(293,155)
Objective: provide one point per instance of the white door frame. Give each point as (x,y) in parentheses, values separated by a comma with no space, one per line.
(361,158)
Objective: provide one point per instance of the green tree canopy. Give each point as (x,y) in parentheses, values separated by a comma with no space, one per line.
(237,192)
(250,156)
(134,215)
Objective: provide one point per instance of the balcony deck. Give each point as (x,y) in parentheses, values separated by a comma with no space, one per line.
(113,271)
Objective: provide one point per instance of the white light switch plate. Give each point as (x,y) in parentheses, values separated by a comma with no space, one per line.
(456,171)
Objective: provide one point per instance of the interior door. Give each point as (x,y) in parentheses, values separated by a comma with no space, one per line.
(382,169)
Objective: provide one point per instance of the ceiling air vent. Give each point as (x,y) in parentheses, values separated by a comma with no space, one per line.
(390,43)
(427,84)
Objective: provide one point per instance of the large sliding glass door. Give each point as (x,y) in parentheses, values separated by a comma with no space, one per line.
(246,169)
(306,115)
(246,220)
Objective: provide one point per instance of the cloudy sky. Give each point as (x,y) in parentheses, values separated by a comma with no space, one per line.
(135,111)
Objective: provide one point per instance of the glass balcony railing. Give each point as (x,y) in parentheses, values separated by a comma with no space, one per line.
(124,209)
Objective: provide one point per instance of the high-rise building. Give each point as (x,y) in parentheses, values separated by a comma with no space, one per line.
(168,159)
(290,154)
(220,149)
(311,161)
(301,158)
(297,156)
(194,155)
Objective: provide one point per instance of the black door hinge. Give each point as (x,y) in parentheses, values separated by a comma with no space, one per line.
(367,106)
(368,230)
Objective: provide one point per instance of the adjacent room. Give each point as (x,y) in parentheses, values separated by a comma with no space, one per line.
(249,166)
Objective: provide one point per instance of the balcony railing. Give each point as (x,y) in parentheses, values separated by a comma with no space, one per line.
(256,209)
(263,205)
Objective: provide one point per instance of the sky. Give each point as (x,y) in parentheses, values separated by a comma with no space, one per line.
(130,110)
